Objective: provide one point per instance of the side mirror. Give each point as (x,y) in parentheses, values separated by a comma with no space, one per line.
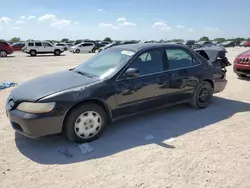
(131,72)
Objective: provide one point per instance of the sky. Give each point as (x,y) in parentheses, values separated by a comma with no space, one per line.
(124,20)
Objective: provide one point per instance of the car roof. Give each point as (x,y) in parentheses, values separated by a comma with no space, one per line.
(147,46)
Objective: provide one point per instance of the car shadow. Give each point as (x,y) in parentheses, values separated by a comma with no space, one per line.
(247,78)
(8,56)
(131,132)
(50,55)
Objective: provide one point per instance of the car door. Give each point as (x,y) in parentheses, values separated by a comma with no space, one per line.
(47,47)
(144,91)
(86,47)
(183,74)
(38,47)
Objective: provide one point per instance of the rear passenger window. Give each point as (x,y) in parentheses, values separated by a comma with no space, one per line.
(178,58)
(31,44)
(47,44)
(38,44)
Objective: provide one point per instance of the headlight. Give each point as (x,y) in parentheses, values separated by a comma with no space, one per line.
(36,108)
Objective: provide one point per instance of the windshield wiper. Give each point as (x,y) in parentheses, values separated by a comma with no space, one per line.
(84,74)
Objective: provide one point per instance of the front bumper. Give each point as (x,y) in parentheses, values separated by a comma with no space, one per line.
(242,69)
(220,85)
(34,125)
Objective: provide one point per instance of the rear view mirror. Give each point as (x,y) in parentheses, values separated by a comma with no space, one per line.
(132,72)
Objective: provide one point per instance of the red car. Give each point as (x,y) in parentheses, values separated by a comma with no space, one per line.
(5,49)
(247,44)
(18,46)
(242,64)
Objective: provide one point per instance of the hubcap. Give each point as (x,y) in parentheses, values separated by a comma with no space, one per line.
(203,95)
(88,124)
(3,54)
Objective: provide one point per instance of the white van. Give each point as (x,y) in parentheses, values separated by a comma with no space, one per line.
(86,47)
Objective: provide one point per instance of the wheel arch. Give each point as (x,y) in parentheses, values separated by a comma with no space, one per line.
(210,81)
(98,102)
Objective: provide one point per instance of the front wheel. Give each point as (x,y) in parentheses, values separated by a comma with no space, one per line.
(77,51)
(85,123)
(202,96)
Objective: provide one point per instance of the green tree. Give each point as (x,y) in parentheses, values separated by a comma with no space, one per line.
(108,39)
(15,39)
(177,40)
(220,39)
(65,40)
(248,39)
(78,41)
(238,40)
(204,38)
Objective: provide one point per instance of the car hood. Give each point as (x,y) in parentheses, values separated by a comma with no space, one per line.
(245,54)
(40,87)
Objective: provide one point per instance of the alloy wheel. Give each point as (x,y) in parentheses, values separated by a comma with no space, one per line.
(3,54)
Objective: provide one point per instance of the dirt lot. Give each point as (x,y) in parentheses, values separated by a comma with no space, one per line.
(211,146)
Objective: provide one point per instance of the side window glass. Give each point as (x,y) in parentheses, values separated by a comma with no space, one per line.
(178,58)
(38,44)
(47,44)
(31,44)
(148,63)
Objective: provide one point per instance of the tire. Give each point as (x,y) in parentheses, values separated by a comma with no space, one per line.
(72,126)
(77,51)
(202,96)
(241,75)
(57,52)
(33,53)
(93,51)
(3,53)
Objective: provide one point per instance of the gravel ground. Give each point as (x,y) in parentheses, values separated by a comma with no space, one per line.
(211,146)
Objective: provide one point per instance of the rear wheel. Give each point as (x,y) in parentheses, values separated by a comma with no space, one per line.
(33,53)
(3,53)
(85,123)
(57,52)
(202,96)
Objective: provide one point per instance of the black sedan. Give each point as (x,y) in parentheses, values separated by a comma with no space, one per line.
(120,81)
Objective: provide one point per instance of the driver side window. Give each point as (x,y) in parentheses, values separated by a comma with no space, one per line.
(149,62)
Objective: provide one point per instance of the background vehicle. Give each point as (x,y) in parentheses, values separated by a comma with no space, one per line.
(228,44)
(5,49)
(247,44)
(120,81)
(201,44)
(86,47)
(129,42)
(18,46)
(108,46)
(242,43)
(64,45)
(189,43)
(242,64)
(42,47)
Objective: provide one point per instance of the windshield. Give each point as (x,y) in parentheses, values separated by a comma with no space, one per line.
(106,63)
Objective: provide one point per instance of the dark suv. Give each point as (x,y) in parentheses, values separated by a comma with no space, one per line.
(5,49)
